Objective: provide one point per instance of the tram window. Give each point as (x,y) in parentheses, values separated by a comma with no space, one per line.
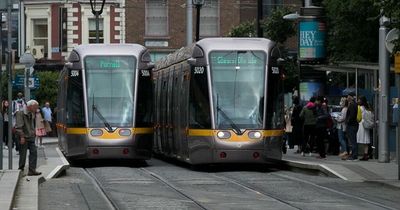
(74,104)
(110,84)
(144,102)
(199,105)
(238,88)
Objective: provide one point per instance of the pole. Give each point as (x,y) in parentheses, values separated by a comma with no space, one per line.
(97,27)
(383,137)
(1,91)
(9,85)
(27,91)
(398,126)
(189,22)
(259,18)
(197,22)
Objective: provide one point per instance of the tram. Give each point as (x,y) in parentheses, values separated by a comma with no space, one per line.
(220,101)
(104,103)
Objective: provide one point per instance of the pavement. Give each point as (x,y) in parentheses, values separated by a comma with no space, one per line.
(19,191)
(353,171)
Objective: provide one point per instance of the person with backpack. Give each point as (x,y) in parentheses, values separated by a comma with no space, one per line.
(366,123)
(309,116)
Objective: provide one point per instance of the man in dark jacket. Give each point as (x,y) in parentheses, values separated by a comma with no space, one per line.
(25,128)
(352,126)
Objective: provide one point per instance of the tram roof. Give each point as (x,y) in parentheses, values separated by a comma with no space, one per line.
(227,43)
(109,49)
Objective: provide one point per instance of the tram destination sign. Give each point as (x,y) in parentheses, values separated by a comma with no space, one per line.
(109,63)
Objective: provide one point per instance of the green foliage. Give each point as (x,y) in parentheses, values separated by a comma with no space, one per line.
(276,28)
(291,75)
(391,9)
(352,30)
(48,88)
(246,29)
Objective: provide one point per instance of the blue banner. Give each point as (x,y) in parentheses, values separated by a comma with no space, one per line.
(312,40)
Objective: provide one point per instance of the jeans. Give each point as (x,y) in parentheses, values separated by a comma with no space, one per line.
(342,141)
(29,144)
(352,135)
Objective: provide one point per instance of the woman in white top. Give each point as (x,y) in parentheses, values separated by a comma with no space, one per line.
(363,134)
(341,127)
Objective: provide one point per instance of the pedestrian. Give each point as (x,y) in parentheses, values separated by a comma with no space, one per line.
(363,133)
(321,126)
(4,113)
(40,130)
(308,114)
(19,104)
(288,129)
(352,126)
(25,130)
(47,114)
(341,128)
(297,123)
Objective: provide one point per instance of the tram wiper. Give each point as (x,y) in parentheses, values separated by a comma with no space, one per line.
(95,110)
(234,126)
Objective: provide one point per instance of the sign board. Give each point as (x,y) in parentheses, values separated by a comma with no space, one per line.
(397,63)
(312,35)
(19,82)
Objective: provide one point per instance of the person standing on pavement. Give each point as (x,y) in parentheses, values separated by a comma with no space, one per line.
(25,132)
(363,134)
(321,126)
(308,114)
(40,130)
(18,104)
(341,127)
(352,126)
(297,123)
(4,113)
(47,114)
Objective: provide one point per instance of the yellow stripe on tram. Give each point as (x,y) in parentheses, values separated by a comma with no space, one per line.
(76,131)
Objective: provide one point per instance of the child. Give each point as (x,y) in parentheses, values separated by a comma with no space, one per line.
(39,129)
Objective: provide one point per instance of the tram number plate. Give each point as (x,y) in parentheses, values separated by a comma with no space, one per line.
(275,70)
(145,73)
(74,73)
(198,70)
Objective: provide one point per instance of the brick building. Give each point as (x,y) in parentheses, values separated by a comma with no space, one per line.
(54,27)
(160,25)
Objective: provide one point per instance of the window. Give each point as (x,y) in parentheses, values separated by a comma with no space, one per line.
(63,30)
(92,30)
(270,5)
(40,36)
(209,18)
(156,18)
(74,107)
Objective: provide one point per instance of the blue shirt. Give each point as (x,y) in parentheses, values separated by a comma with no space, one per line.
(47,113)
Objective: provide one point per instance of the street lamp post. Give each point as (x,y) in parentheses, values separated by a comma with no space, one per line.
(97,9)
(198,4)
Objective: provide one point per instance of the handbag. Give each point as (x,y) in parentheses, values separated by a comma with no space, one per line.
(47,126)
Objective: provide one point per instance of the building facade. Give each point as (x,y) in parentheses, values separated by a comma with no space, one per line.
(54,27)
(160,25)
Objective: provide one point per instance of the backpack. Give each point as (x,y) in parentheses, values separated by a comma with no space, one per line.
(368,119)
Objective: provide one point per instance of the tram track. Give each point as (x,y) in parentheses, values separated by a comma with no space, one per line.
(287,177)
(172,186)
(111,203)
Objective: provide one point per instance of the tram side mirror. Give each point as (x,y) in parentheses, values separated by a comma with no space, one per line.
(69,65)
(146,66)
(192,61)
(280,61)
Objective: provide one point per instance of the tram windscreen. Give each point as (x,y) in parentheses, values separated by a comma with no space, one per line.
(238,88)
(110,82)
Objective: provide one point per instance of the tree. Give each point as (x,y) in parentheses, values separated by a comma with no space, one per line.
(352,30)
(276,28)
(48,88)
(246,29)
(391,9)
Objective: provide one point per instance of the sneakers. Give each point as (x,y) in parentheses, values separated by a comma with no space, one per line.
(351,159)
(343,154)
(34,173)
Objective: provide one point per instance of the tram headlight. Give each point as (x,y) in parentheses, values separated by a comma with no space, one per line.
(255,134)
(224,134)
(125,132)
(96,132)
